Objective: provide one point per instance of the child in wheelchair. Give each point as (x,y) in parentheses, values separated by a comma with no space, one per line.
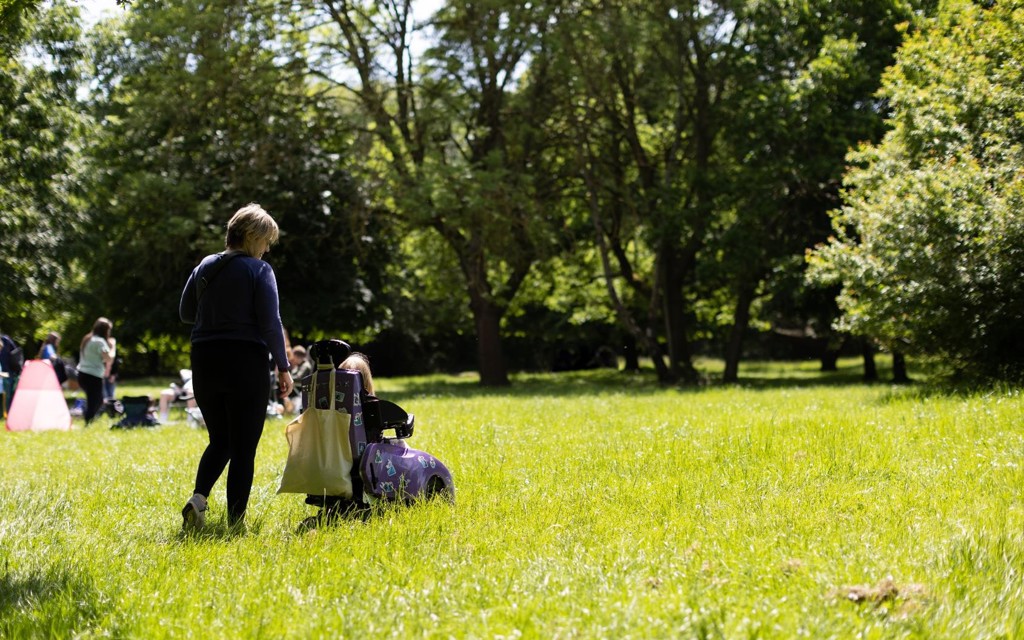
(376,467)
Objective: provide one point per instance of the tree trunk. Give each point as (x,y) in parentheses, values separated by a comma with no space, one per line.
(899,368)
(632,360)
(673,309)
(870,369)
(679,353)
(740,322)
(830,359)
(643,336)
(487,317)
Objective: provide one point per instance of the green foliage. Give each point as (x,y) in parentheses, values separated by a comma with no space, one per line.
(204,108)
(713,134)
(588,505)
(645,170)
(425,326)
(804,95)
(927,245)
(454,139)
(12,15)
(41,133)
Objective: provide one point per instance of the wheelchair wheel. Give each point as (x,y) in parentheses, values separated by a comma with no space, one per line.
(435,488)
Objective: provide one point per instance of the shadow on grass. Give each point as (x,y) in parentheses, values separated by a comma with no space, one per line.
(766,375)
(220,531)
(843,376)
(564,384)
(576,384)
(359,514)
(46,604)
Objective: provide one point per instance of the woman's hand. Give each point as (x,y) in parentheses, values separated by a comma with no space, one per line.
(284,381)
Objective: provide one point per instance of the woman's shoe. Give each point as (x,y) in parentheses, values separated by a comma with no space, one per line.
(194,513)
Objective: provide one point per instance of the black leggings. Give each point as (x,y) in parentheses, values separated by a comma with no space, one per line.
(231,382)
(93,388)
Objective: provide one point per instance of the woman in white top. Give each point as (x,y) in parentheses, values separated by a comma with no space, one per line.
(94,362)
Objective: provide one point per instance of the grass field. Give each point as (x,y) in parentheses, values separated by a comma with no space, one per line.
(589,505)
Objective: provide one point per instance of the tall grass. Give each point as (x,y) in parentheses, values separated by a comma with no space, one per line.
(592,505)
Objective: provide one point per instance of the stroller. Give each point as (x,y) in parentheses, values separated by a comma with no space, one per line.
(382,468)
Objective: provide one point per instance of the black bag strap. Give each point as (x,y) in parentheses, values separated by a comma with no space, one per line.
(208,274)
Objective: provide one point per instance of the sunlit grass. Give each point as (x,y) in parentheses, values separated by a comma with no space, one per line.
(591,504)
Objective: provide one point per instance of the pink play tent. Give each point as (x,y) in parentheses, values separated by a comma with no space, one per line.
(38,401)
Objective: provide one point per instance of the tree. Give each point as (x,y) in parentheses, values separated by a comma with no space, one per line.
(452,143)
(650,86)
(205,107)
(805,95)
(13,12)
(710,143)
(12,15)
(927,243)
(41,133)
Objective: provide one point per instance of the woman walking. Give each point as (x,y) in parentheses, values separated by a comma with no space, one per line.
(232,300)
(94,361)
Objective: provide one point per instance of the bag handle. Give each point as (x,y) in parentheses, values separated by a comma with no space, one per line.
(313,385)
(208,274)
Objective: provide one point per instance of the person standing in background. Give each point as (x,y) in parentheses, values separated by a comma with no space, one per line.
(301,367)
(9,366)
(49,352)
(231,299)
(94,362)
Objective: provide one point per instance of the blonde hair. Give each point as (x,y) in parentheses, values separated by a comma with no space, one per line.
(359,362)
(249,228)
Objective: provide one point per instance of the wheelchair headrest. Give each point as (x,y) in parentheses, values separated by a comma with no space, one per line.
(329,352)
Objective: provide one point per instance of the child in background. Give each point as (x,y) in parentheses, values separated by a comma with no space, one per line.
(48,350)
(301,368)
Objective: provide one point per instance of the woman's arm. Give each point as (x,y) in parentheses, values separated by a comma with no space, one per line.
(188,306)
(108,358)
(268,316)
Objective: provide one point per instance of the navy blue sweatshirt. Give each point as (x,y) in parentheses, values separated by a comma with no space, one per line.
(240,303)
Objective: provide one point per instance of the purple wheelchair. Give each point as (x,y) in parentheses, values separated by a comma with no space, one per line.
(384,468)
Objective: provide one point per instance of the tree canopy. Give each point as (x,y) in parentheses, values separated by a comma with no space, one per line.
(497,184)
(927,245)
(206,108)
(42,132)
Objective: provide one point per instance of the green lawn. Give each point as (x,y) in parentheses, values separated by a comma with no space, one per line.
(589,505)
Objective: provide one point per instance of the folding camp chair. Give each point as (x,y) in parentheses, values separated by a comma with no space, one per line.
(138,412)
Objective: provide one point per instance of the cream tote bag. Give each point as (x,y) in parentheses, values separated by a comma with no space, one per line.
(319,452)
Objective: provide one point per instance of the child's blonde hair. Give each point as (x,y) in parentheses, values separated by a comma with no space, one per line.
(359,362)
